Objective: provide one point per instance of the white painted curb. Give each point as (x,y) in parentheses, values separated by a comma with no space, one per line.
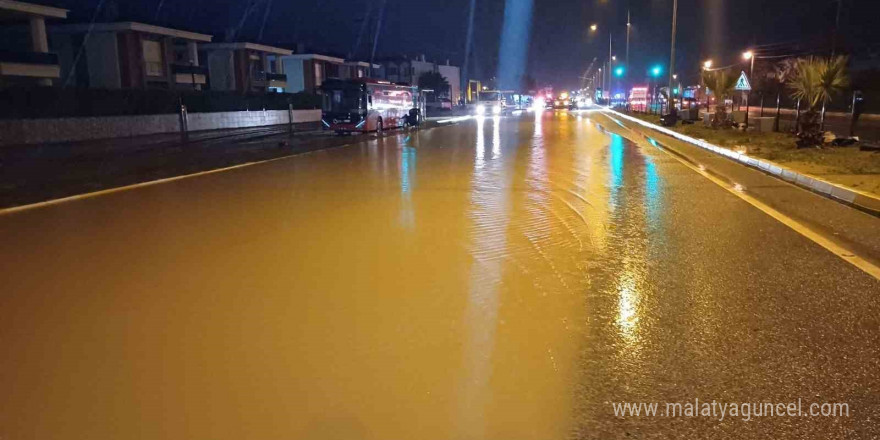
(859,199)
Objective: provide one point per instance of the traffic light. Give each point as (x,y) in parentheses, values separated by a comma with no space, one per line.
(619,71)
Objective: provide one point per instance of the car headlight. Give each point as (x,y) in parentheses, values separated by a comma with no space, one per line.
(496,110)
(481,109)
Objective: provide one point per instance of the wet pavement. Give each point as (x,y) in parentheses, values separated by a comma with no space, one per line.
(500,279)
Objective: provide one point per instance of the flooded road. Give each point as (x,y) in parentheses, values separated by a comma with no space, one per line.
(504,278)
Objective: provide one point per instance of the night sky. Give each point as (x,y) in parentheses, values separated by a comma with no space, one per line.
(561,45)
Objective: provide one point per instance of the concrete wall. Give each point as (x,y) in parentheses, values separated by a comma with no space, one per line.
(37,131)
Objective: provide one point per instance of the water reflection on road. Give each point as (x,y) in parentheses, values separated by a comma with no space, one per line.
(504,278)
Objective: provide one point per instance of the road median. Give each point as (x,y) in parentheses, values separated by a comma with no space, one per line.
(862,200)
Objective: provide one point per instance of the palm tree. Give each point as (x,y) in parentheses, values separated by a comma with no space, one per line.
(783,70)
(815,82)
(722,84)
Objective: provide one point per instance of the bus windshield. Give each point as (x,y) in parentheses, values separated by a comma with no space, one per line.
(343,100)
(490,96)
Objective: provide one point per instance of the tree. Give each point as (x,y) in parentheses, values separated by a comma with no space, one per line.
(783,70)
(815,82)
(722,84)
(436,82)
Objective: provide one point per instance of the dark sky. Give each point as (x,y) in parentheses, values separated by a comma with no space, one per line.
(560,45)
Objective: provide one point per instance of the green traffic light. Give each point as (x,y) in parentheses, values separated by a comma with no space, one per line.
(618,71)
(656,71)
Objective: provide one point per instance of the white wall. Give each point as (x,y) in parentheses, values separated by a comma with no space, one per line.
(293,68)
(37,131)
(420,67)
(451,73)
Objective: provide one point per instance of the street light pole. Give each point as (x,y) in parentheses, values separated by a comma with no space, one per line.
(750,56)
(672,52)
(628,26)
(608,69)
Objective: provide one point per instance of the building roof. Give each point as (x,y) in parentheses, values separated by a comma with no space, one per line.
(314,56)
(25,9)
(131,26)
(361,64)
(248,46)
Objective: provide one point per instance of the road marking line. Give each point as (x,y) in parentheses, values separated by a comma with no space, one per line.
(836,249)
(14,209)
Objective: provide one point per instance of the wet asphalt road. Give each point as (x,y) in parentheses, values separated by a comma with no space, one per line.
(501,279)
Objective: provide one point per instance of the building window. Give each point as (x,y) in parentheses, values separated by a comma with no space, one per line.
(319,74)
(360,72)
(153,58)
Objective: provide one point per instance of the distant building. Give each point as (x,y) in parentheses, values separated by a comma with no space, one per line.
(407,70)
(453,75)
(358,69)
(130,55)
(306,72)
(243,67)
(24,53)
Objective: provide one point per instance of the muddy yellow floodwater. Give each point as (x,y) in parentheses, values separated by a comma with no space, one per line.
(508,278)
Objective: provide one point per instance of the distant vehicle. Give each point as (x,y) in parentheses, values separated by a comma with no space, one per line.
(491,102)
(440,104)
(563,101)
(363,105)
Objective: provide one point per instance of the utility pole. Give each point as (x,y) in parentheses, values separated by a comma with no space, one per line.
(608,69)
(628,26)
(672,52)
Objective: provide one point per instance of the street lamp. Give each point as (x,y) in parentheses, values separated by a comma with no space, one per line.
(655,73)
(613,57)
(593,27)
(749,56)
(706,66)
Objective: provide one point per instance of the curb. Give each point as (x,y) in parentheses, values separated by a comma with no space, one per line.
(857,199)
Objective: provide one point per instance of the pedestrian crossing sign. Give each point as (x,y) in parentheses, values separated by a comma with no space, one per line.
(743,82)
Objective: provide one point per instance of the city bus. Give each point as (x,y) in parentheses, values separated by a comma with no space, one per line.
(363,105)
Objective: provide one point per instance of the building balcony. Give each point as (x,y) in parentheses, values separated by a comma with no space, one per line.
(30,64)
(276,77)
(269,79)
(189,74)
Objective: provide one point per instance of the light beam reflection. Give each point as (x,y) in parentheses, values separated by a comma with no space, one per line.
(488,237)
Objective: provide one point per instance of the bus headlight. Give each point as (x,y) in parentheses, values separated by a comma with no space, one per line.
(496,110)
(481,109)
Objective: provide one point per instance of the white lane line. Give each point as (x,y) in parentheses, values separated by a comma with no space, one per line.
(127,187)
(836,249)
(13,209)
